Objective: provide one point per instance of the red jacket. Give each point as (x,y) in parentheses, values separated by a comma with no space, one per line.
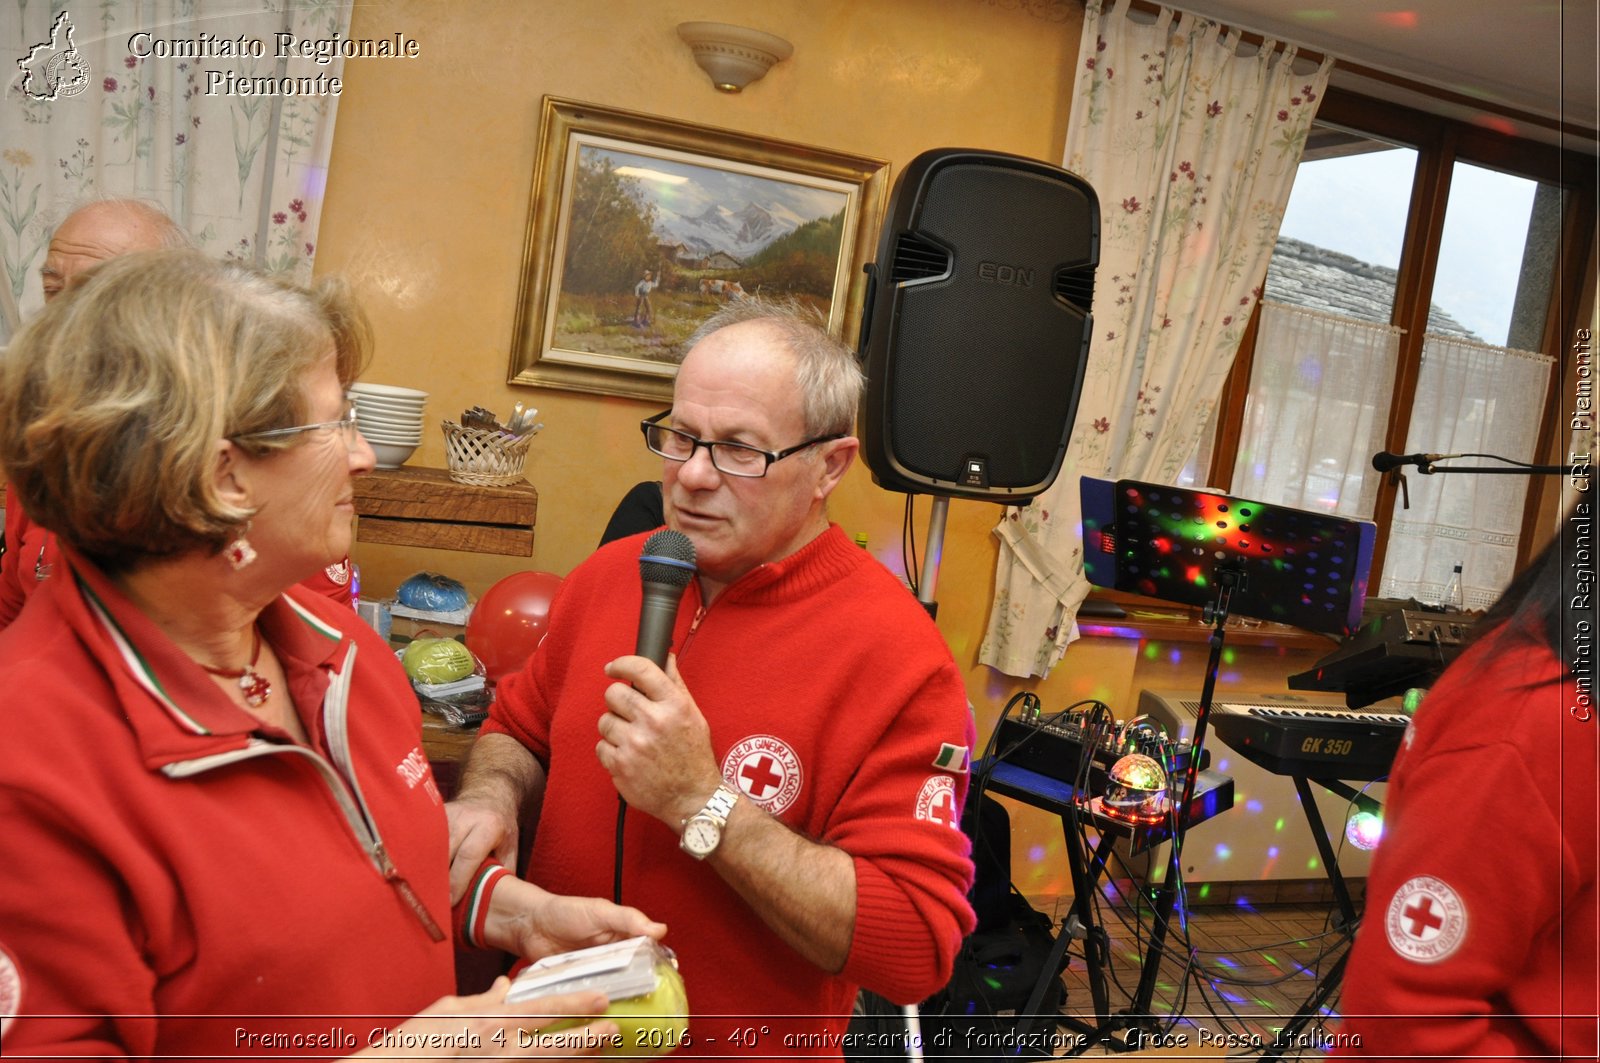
(830,698)
(1479,934)
(30,556)
(171,864)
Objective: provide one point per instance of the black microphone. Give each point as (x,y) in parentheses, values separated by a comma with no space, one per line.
(666,565)
(1384,460)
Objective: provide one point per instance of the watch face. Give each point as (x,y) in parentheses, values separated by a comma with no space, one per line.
(700,836)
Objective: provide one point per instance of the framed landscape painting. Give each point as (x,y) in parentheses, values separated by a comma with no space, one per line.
(642,227)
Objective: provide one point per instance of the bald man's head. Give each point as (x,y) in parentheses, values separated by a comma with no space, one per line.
(103,230)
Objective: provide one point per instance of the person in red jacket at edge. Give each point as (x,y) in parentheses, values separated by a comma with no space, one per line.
(222,837)
(794,776)
(93,233)
(1480,932)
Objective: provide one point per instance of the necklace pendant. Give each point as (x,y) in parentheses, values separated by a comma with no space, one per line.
(256,688)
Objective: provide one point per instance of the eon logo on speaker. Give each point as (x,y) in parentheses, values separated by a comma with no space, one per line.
(1000,273)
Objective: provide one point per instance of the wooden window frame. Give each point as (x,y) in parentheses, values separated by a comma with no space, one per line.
(1440,143)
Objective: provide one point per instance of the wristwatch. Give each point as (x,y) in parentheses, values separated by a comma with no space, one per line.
(702,832)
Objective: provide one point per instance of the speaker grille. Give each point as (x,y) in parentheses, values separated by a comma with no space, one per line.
(1075,284)
(916,259)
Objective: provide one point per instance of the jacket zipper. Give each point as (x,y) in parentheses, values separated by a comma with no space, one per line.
(694,625)
(346,791)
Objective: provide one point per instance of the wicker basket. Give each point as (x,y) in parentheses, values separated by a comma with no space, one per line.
(482,457)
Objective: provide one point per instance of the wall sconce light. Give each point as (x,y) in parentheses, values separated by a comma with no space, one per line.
(732,55)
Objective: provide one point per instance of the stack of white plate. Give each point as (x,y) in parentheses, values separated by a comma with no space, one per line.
(391,419)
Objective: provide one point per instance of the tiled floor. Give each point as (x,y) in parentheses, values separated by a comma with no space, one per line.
(1231,976)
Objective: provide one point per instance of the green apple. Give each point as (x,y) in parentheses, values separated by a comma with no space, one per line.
(651,1025)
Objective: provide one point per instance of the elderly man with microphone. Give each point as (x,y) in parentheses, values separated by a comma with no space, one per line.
(791,780)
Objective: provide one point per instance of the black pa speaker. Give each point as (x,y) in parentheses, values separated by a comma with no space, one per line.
(977,324)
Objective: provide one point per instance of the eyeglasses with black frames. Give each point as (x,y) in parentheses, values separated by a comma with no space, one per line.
(730,459)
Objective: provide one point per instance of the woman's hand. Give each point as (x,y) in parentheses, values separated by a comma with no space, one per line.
(533,922)
(485,1025)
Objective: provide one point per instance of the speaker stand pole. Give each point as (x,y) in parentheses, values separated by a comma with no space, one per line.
(929,579)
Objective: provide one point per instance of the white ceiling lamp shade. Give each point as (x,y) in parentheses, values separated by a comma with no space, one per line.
(732,55)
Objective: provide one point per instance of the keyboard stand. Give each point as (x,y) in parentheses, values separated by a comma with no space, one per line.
(1328,984)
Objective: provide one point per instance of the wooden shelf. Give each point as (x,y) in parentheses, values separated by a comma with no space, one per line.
(424,507)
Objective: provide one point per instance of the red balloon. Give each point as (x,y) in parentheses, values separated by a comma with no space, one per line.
(509,620)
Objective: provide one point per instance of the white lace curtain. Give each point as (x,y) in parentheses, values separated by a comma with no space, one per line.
(1472,398)
(95,109)
(1316,412)
(1191,144)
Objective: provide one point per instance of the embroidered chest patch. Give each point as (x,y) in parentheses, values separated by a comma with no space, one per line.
(415,770)
(338,572)
(766,770)
(936,801)
(1426,921)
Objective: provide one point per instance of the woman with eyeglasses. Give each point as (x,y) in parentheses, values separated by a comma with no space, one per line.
(221,834)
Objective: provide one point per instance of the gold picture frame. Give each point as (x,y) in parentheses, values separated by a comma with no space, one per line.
(712,215)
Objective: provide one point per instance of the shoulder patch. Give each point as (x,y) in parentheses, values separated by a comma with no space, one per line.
(1426,920)
(936,801)
(10,991)
(953,758)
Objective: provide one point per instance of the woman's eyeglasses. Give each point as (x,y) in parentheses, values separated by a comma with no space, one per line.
(346,425)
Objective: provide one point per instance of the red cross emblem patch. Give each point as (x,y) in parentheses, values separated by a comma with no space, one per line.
(1426,921)
(766,770)
(936,801)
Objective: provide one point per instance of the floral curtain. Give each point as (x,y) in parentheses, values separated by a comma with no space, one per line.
(221,111)
(1472,398)
(1191,143)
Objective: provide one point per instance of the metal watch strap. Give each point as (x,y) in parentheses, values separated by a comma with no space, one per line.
(720,804)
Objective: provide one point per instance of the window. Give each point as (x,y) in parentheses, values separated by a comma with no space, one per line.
(1419,291)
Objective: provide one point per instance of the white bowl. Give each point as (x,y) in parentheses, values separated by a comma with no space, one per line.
(392,420)
(374,435)
(392,455)
(374,402)
(387,390)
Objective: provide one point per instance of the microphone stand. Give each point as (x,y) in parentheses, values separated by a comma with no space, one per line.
(1428,468)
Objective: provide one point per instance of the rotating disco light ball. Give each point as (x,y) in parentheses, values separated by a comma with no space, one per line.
(1364,830)
(1136,790)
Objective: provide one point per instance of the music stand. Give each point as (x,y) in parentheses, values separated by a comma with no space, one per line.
(1227,555)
